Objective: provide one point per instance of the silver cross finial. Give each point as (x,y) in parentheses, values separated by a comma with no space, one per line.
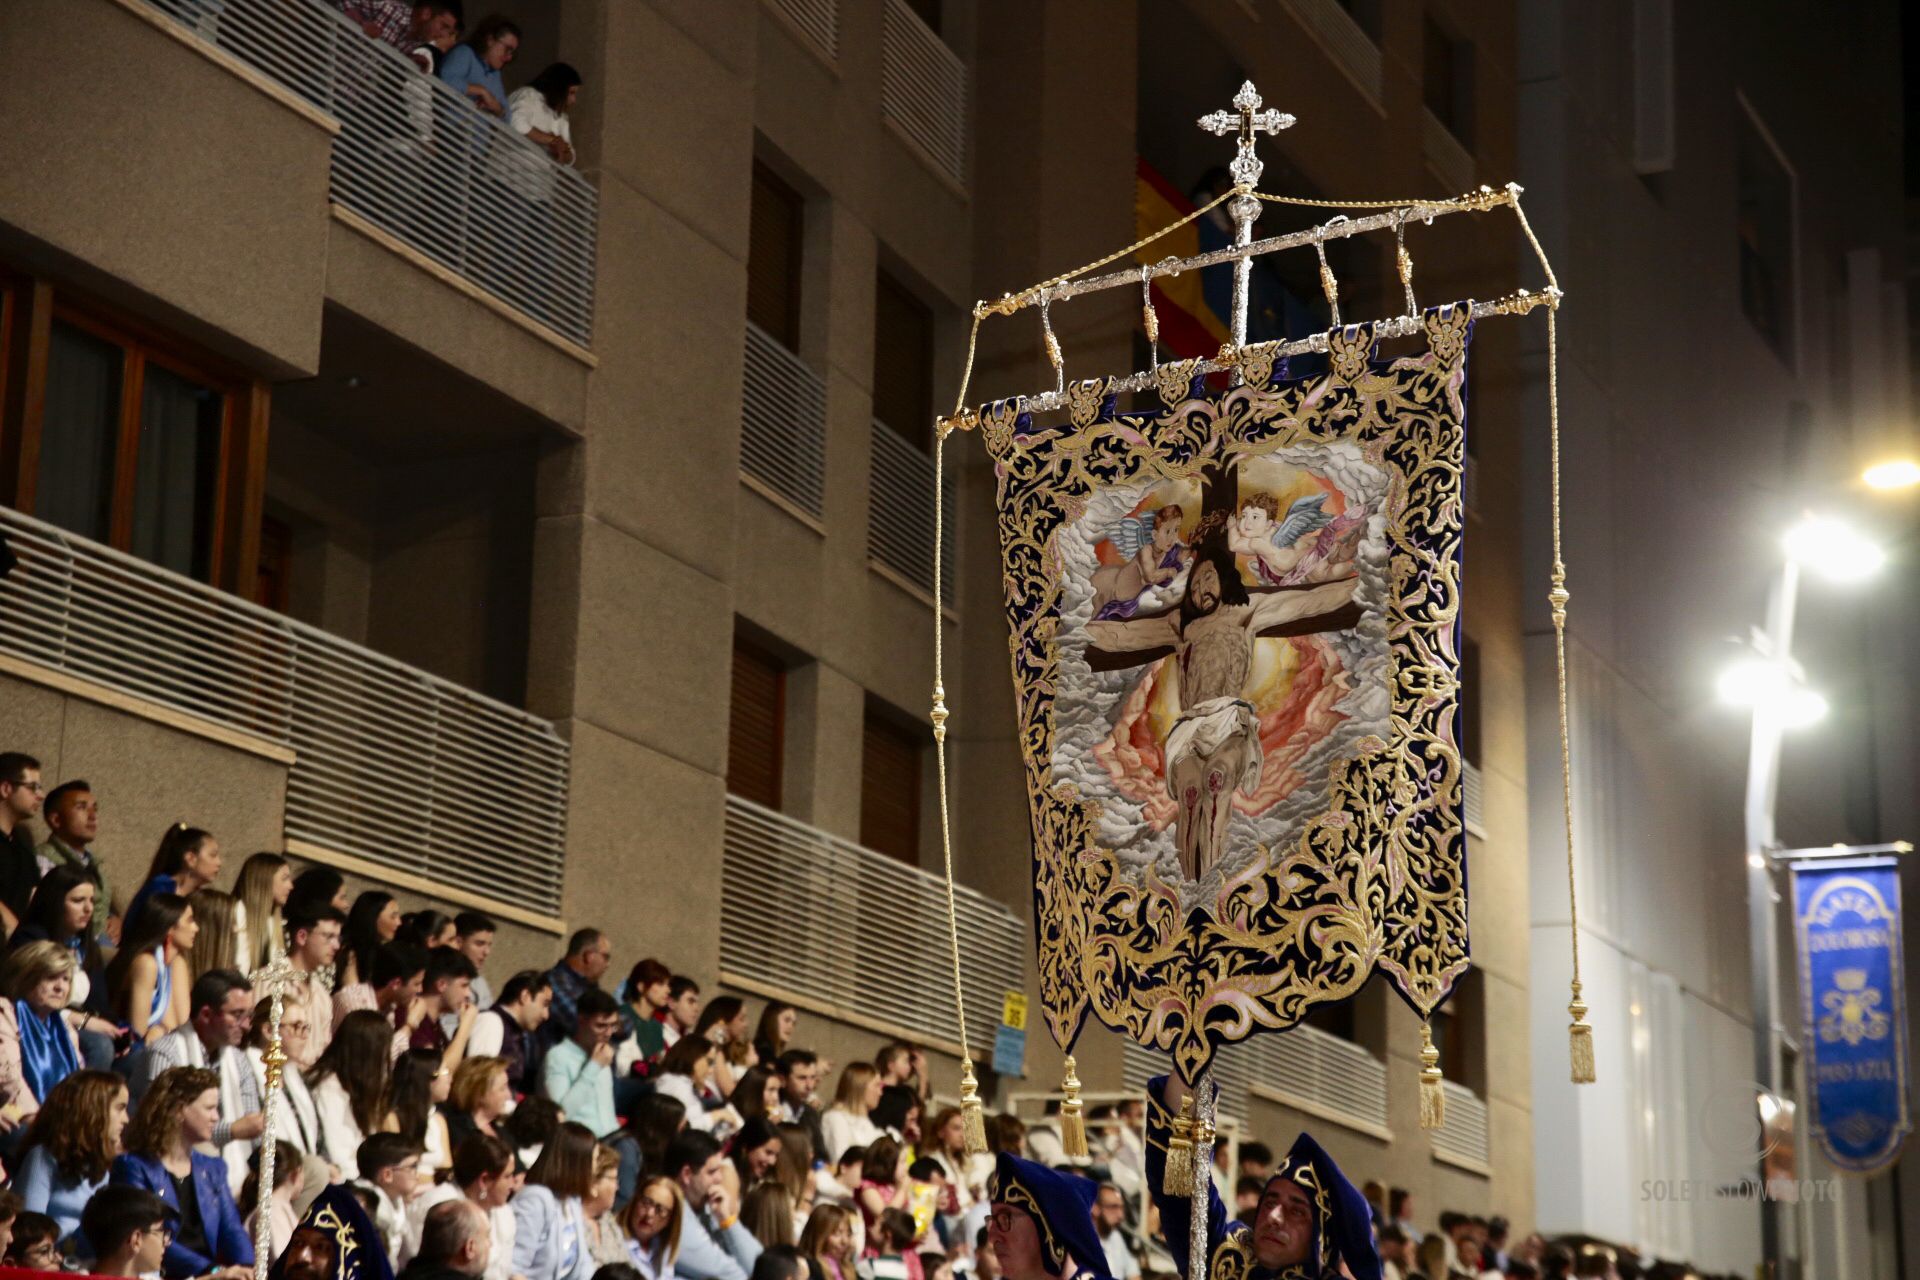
(1246,119)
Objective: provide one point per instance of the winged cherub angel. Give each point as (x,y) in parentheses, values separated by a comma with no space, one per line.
(1155,556)
(1305,545)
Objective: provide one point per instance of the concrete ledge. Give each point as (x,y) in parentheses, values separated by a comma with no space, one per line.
(422,884)
(839,1013)
(147,709)
(221,58)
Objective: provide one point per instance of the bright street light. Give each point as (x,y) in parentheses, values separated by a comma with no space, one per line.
(1834,549)
(1803,708)
(1895,473)
(1752,681)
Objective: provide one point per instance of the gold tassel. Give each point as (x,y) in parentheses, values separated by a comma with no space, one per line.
(1073,1126)
(973,1116)
(1433,1103)
(1179,1180)
(1580,1040)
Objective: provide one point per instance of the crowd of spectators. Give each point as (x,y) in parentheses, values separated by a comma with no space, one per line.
(566,1127)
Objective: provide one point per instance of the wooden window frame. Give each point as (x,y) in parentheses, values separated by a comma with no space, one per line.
(29,306)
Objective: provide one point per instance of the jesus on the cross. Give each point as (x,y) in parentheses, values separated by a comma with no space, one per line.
(1214,749)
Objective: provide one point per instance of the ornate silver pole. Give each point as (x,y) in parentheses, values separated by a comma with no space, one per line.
(274,980)
(1201,1217)
(1246,119)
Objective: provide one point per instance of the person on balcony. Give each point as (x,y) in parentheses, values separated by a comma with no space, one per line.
(73,823)
(475,64)
(148,980)
(403,25)
(187,859)
(538,110)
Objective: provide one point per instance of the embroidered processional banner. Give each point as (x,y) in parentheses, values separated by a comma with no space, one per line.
(1235,659)
(1847,921)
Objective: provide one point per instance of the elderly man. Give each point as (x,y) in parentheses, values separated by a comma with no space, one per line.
(1041,1224)
(1311,1222)
(455,1243)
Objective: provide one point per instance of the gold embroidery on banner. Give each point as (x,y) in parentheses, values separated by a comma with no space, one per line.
(1083,401)
(1172,380)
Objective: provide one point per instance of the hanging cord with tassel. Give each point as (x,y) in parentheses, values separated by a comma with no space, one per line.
(1579,1031)
(1073,1124)
(973,1114)
(1433,1100)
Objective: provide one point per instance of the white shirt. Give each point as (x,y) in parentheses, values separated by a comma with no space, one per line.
(529,169)
(499,1224)
(294,1118)
(1121,1264)
(843,1129)
(340,1134)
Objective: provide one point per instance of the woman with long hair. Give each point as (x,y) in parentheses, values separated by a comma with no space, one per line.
(946,1145)
(375,919)
(652,1222)
(550,1240)
(653,1122)
(724,1022)
(298,1118)
(421,1082)
(38,1047)
(606,1243)
(289,1174)
(846,1123)
(64,906)
(766,1211)
(187,859)
(148,981)
(72,1145)
(793,1168)
(263,889)
(216,943)
(177,1115)
(757,1093)
(755,1151)
(774,1035)
(352,1087)
(883,1183)
(318,886)
(828,1240)
(479,1101)
(683,1074)
(427,929)
(474,67)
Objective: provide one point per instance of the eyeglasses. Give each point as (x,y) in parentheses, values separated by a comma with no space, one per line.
(164,1230)
(652,1207)
(1002,1218)
(38,788)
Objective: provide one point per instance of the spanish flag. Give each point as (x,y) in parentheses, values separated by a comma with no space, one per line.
(1191,323)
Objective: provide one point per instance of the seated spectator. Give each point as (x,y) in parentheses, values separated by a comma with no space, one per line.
(646,1004)
(289,1174)
(724,1023)
(474,66)
(265,884)
(683,1009)
(485,1173)
(890,1252)
(578,1075)
(510,1030)
(883,1186)
(318,887)
(847,1122)
(38,1047)
(783,1262)
(64,909)
(426,929)
(389,1166)
(180,1112)
(296,1119)
(455,1243)
(148,979)
(21,791)
(373,921)
(72,815)
(222,1005)
(766,1211)
(654,1122)
(446,988)
(774,1036)
(713,1244)
(131,1231)
(396,975)
(35,1245)
(947,1144)
(827,1241)
(793,1169)
(550,1240)
(800,1074)
(421,1083)
(652,1222)
(313,944)
(473,935)
(352,1087)
(538,110)
(606,1244)
(898,1113)
(217,940)
(682,1076)
(588,954)
(1109,1222)
(756,1150)
(478,1101)
(187,859)
(71,1147)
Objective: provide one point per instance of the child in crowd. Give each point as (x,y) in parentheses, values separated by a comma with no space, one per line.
(893,1237)
(926,1188)
(35,1244)
(129,1229)
(390,1168)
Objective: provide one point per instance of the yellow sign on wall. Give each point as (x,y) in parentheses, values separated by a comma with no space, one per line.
(1013,1010)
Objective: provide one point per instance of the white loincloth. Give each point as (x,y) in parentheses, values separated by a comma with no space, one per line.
(1203,729)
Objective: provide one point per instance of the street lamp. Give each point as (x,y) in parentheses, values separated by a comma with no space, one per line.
(1894,473)
(1769,682)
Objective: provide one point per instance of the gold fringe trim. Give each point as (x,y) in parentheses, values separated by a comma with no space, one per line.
(1073,1125)
(1179,1180)
(1580,1040)
(1433,1102)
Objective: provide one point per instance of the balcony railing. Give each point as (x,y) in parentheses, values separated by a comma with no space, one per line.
(861,935)
(900,514)
(1473,798)
(818,20)
(1304,1067)
(783,428)
(418,162)
(1464,1138)
(393,766)
(923,90)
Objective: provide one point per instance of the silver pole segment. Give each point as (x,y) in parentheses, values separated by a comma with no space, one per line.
(1200,1219)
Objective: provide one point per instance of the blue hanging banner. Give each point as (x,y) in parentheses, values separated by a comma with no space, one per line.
(1847,922)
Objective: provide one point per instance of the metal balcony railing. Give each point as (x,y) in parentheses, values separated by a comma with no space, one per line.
(1465,1137)
(923,89)
(1303,1067)
(783,428)
(419,162)
(394,766)
(900,513)
(819,20)
(1473,798)
(859,933)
